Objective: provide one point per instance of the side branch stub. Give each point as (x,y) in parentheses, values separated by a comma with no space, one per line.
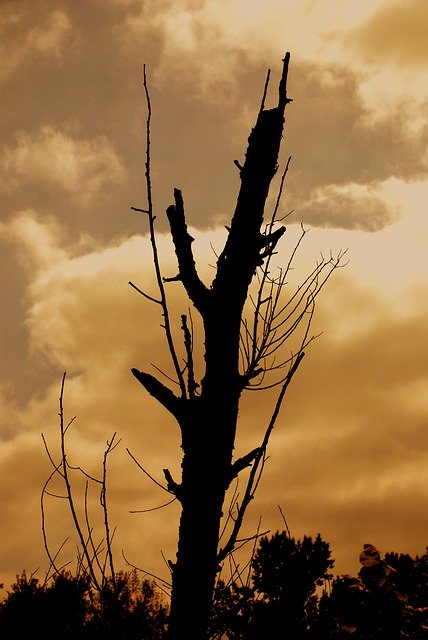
(195,288)
(163,394)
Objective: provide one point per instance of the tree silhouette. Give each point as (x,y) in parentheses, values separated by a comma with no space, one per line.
(278,599)
(286,572)
(70,608)
(239,354)
(387,601)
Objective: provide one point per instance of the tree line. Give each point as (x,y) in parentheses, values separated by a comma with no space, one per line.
(286,591)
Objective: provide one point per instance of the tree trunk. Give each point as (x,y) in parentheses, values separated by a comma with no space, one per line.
(204,482)
(208,421)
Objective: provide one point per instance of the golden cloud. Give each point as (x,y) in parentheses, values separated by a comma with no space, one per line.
(396,33)
(82,168)
(194,49)
(346,448)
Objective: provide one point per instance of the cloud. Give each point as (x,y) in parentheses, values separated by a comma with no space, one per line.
(344,143)
(395,33)
(36,241)
(82,316)
(195,50)
(77,288)
(347,449)
(51,156)
(350,206)
(334,141)
(206,85)
(349,446)
(46,41)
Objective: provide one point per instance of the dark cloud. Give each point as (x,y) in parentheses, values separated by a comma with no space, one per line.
(97,91)
(350,206)
(27,42)
(205,96)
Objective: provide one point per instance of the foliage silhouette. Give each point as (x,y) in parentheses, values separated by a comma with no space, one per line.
(279,598)
(389,601)
(281,601)
(69,608)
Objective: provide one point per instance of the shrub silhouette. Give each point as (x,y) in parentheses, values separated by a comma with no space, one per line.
(68,608)
(281,601)
(388,601)
(277,599)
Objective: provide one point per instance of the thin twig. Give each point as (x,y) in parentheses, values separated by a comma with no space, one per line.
(146,295)
(254,478)
(160,506)
(285,522)
(147,473)
(152,234)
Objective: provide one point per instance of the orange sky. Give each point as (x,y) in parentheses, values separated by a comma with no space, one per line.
(349,456)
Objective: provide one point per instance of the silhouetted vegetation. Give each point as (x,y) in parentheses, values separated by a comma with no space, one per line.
(387,601)
(287,592)
(279,600)
(68,608)
(251,325)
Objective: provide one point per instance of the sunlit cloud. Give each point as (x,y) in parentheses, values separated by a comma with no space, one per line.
(54,157)
(36,241)
(83,317)
(388,48)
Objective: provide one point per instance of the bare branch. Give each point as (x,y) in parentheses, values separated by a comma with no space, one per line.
(283,100)
(163,394)
(156,263)
(173,487)
(196,290)
(43,516)
(146,573)
(285,522)
(145,294)
(253,479)
(243,462)
(265,90)
(146,472)
(111,445)
(160,506)
(89,542)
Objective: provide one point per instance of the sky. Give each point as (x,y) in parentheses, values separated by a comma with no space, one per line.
(348,458)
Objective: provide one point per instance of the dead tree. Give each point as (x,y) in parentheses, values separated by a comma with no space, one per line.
(238,353)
